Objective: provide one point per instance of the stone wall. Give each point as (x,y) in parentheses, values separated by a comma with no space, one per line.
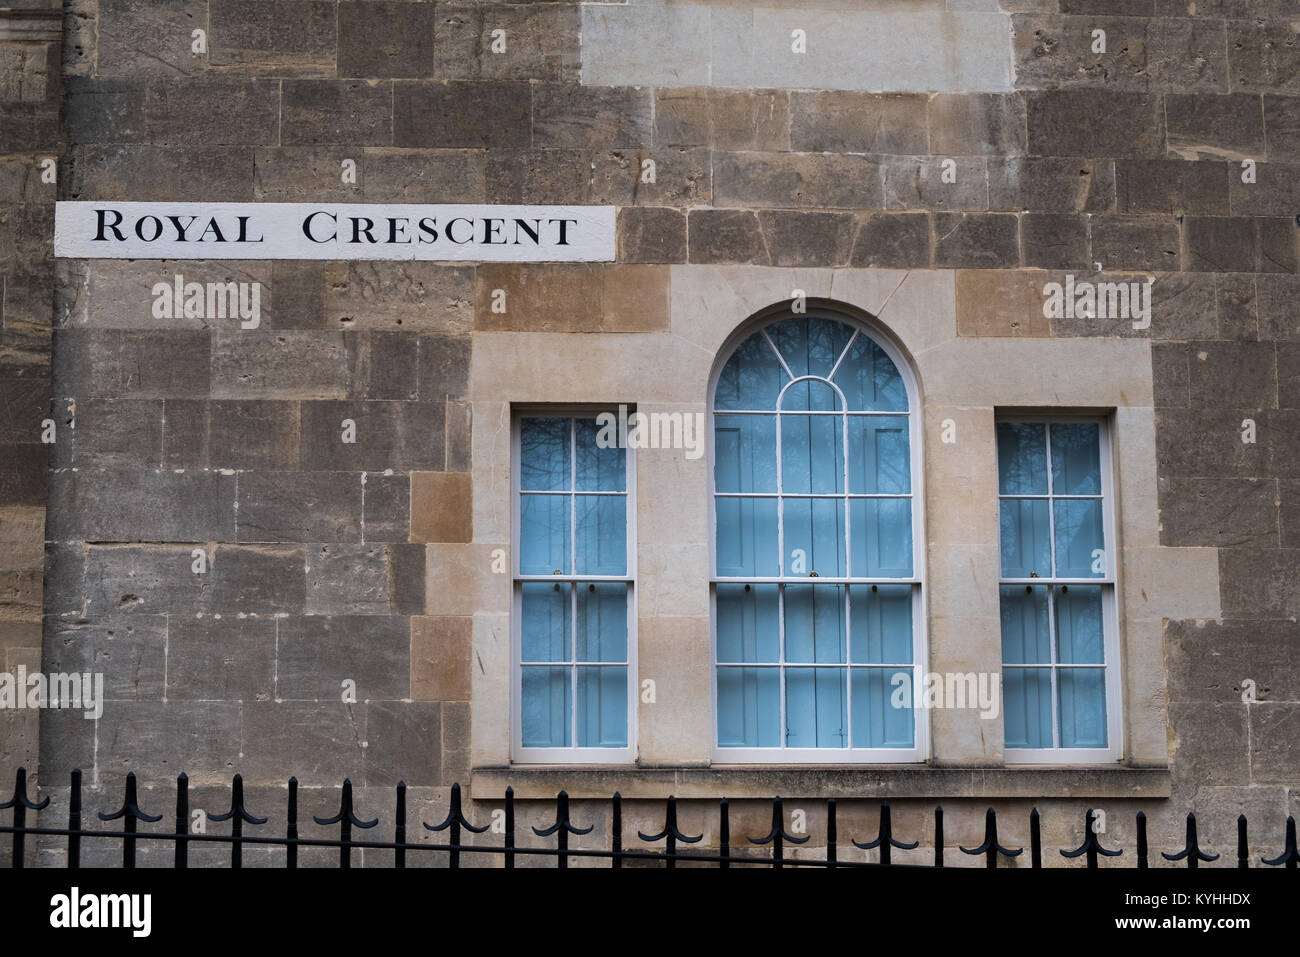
(772,170)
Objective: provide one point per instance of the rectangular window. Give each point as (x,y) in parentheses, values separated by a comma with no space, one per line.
(574,621)
(1060,675)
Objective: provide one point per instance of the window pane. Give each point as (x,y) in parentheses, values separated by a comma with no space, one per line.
(881,622)
(814,623)
(883,713)
(545,628)
(602,534)
(1025,535)
(814,536)
(1078,625)
(815,708)
(1022,458)
(1025,636)
(752,377)
(749,707)
(602,621)
(1076,458)
(602,707)
(1078,537)
(1083,707)
(810,345)
(882,537)
(870,380)
(544,454)
(543,534)
(746,537)
(1027,695)
(810,395)
(744,453)
(545,707)
(812,454)
(879,460)
(599,469)
(749,627)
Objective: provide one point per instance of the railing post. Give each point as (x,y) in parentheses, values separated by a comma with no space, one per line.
(724,835)
(181,860)
(74,821)
(291,828)
(616,831)
(399,828)
(938,835)
(510,828)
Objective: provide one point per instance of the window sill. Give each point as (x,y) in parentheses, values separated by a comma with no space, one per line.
(532,782)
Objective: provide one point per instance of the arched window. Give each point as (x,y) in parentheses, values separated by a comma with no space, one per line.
(816,580)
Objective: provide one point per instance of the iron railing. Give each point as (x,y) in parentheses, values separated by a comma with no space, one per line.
(776,839)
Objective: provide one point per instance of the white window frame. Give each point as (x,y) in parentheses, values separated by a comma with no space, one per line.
(573,754)
(1114,750)
(918,753)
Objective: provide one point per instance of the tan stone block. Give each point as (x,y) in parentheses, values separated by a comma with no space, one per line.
(490,706)
(22,525)
(491,471)
(1161,582)
(441,654)
(675,653)
(961,477)
(442,507)
(634,299)
(461,581)
(539,298)
(1001,302)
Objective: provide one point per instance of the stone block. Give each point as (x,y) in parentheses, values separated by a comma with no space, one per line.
(1262,55)
(441,658)
(995,302)
(290,364)
(462,114)
(1054,240)
(230,434)
(399,745)
(138,38)
(328,112)
(1228,127)
(318,743)
(1223,512)
(681,177)
(315,654)
(1121,241)
(541,42)
(1051,184)
(651,234)
(214,111)
(1095,123)
(443,368)
(381,38)
(441,507)
(837,121)
(131,364)
(300,507)
(799,238)
(388,435)
(726,236)
(976,240)
(893,240)
(1172,186)
(142,506)
(301,38)
(118,433)
(604,117)
(422,176)
(399,296)
(221,658)
(257,579)
(796,180)
(928,182)
(130,651)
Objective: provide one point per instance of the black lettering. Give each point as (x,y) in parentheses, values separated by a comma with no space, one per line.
(157,227)
(460,242)
(213,228)
(534,231)
(429,227)
(180,230)
(243,231)
(103,224)
(393,223)
(357,229)
(492,227)
(306,227)
(564,227)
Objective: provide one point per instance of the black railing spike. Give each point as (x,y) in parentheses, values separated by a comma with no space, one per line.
(562,827)
(346,820)
(670,834)
(1091,846)
(74,821)
(724,834)
(130,811)
(181,859)
(1243,844)
(1142,840)
(399,827)
(291,827)
(1035,840)
(938,835)
(21,803)
(885,839)
(1290,856)
(832,834)
(1192,848)
(237,816)
(455,820)
(777,834)
(991,848)
(509,844)
(616,831)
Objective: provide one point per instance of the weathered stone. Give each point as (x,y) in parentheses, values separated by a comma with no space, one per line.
(321,112)
(800,180)
(893,240)
(1288,375)
(257,579)
(850,122)
(994,302)
(301,174)
(1222,244)
(1051,184)
(807,238)
(1282,126)
(149,37)
(1260,583)
(1054,241)
(129,651)
(222,658)
(1209,659)
(725,236)
(398,745)
(1135,242)
(455,738)
(1262,56)
(1227,127)
(118,434)
(558,177)
(362,579)
(443,367)
(382,38)
(976,240)
(317,653)
(1236,375)
(1169,375)
(1274,192)
(287,38)
(384,366)
(460,435)
(1289,512)
(23,479)
(200,738)
(1095,123)
(407,296)
(572,298)
(1186,55)
(1183,306)
(462,114)
(230,434)
(318,743)
(935,182)
(1058,52)
(386,507)
(422,176)
(140,506)
(567,115)
(1274,751)
(1238,312)
(1208,743)
(442,649)
(135,579)
(300,507)
(541,42)
(723,119)
(1276,297)
(172,174)
(291,364)
(99,110)
(651,235)
(388,435)
(1222,512)
(1171,186)
(680,177)
(980,124)
(216,111)
(441,507)
(1207,442)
